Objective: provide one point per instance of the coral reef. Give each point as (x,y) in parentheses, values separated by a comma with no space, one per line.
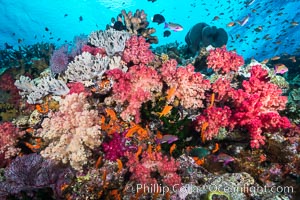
(121,120)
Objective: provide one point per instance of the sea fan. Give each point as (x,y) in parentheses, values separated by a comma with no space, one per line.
(30,173)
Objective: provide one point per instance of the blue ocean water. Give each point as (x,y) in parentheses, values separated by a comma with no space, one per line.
(272,28)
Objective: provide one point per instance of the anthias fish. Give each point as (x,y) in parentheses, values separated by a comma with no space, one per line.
(173,26)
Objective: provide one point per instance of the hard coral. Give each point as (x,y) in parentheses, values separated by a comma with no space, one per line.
(137,24)
(72,132)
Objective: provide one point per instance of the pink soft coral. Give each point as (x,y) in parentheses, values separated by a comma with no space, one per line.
(153,163)
(72,132)
(190,86)
(221,87)
(134,87)
(257,106)
(137,51)
(224,61)
(8,139)
(216,118)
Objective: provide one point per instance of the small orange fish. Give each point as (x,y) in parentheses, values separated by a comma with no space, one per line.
(33,148)
(120,165)
(138,153)
(212,100)
(171,92)
(63,187)
(29,130)
(231,24)
(168,195)
(217,147)
(165,111)
(99,162)
(275,58)
(111,113)
(131,131)
(198,161)
(216,18)
(104,177)
(203,128)
(172,148)
(265,61)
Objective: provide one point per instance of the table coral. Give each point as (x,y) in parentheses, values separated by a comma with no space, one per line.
(72,132)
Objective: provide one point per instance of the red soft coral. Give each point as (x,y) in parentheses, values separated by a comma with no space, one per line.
(221,87)
(134,87)
(257,106)
(215,118)
(137,51)
(153,163)
(221,60)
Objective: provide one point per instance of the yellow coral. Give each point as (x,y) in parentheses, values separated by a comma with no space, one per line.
(164,57)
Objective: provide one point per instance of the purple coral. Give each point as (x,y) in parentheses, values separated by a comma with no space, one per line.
(116,147)
(31,172)
(59,60)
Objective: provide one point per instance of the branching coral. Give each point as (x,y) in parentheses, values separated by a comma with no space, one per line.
(72,132)
(111,40)
(137,24)
(34,90)
(86,67)
(190,86)
(134,87)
